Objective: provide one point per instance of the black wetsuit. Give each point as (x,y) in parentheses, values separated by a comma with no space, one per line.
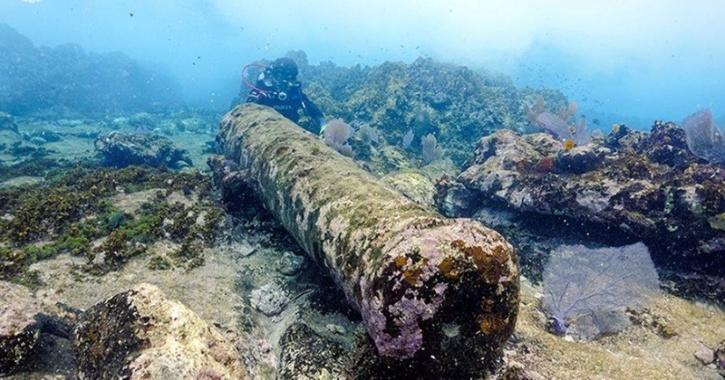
(288,102)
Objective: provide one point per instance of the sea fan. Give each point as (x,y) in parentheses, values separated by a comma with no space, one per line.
(430,149)
(370,135)
(588,290)
(336,134)
(703,139)
(560,124)
(408,139)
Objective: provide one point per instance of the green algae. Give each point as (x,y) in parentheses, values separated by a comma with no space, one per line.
(456,104)
(72,213)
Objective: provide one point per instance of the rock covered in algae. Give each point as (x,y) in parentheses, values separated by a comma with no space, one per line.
(140,334)
(308,355)
(19,325)
(414,275)
(121,149)
(642,185)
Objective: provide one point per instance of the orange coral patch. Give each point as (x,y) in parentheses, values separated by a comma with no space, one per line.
(400,261)
(491,264)
(569,144)
(411,276)
(491,324)
(449,268)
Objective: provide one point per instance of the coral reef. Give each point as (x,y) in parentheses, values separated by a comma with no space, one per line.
(407,269)
(68,78)
(409,101)
(119,150)
(79,233)
(625,185)
(142,334)
(641,351)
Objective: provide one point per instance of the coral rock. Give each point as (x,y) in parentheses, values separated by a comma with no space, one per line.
(120,149)
(140,334)
(19,325)
(290,263)
(581,159)
(705,355)
(634,186)
(308,355)
(270,299)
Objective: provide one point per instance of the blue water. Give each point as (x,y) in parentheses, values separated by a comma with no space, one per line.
(620,60)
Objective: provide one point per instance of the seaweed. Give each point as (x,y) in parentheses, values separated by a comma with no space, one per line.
(189,254)
(72,210)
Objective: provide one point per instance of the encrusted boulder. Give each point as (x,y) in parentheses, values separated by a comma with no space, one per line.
(270,299)
(121,149)
(140,334)
(580,159)
(19,326)
(424,284)
(667,144)
(308,355)
(643,185)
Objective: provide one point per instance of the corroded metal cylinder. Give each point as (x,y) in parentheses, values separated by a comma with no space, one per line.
(425,285)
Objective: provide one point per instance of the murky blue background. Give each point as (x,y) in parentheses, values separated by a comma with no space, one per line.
(634,60)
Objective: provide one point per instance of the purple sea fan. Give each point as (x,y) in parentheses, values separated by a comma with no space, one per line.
(586,291)
(704,139)
(430,149)
(336,134)
(561,124)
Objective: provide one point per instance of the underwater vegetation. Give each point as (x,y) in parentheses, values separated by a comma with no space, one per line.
(430,150)
(560,124)
(337,133)
(407,102)
(75,214)
(586,291)
(704,139)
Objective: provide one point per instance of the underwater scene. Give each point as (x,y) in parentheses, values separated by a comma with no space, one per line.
(229,189)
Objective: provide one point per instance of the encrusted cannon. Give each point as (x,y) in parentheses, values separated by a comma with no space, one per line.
(425,285)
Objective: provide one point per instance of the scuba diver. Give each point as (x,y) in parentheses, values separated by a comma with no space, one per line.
(277,87)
